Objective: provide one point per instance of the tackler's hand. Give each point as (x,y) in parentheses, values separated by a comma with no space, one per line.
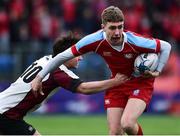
(36,85)
(120,78)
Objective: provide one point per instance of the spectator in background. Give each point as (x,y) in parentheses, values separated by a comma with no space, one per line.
(16,14)
(162,17)
(69,13)
(4,31)
(43,25)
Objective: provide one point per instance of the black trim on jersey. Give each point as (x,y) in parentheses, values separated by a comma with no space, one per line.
(15,127)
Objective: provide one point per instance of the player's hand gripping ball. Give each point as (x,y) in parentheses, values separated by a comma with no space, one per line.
(145,61)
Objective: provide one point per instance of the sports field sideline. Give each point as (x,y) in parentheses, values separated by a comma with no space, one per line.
(96,124)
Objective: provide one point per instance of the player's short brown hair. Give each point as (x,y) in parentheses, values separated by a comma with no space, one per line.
(112,14)
(64,42)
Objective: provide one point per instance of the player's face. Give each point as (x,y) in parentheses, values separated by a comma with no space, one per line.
(73,63)
(114,32)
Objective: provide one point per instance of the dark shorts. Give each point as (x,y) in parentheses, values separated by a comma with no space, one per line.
(15,127)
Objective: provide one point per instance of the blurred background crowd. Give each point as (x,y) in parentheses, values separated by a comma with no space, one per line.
(41,21)
(29,27)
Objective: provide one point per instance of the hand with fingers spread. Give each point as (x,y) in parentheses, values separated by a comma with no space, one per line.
(36,85)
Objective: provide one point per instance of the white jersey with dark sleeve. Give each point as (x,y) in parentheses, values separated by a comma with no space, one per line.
(19,99)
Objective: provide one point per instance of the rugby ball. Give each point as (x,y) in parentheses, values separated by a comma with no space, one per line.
(145,61)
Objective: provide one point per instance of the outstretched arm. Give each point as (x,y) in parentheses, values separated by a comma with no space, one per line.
(58,60)
(99,86)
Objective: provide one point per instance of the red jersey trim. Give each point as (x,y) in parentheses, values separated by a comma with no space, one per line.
(158,45)
(75,51)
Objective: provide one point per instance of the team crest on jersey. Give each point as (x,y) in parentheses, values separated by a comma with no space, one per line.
(107,101)
(106,53)
(136,92)
(128,55)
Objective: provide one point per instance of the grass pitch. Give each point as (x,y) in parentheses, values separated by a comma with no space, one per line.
(97,125)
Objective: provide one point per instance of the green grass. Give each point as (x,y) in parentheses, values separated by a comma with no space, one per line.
(89,125)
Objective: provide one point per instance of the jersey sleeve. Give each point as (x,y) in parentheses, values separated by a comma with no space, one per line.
(56,62)
(87,44)
(65,80)
(143,44)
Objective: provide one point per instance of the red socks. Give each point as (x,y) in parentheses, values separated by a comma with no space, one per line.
(140,132)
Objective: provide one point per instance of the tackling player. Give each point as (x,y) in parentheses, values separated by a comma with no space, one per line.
(126,102)
(17,100)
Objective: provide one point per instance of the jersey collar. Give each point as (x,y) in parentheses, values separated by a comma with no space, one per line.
(116,48)
(124,34)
